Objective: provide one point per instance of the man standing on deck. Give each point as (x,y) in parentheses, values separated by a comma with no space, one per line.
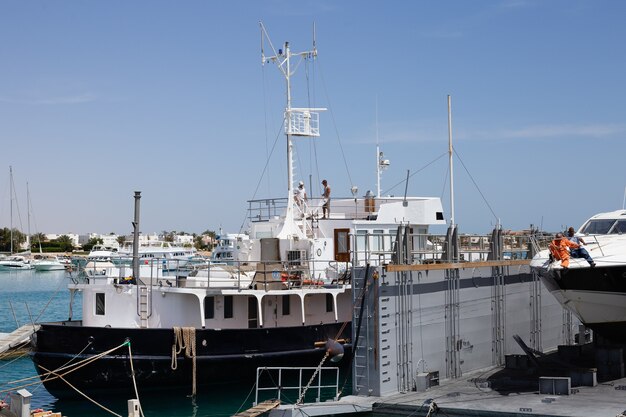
(300,196)
(325,200)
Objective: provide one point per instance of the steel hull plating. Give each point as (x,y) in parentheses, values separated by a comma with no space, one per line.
(222,356)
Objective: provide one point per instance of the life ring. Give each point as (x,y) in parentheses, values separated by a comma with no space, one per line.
(319,252)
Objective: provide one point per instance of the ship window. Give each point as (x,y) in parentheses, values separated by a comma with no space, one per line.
(439,215)
(286,305)
(228,306)
(378,244)
(99,304)
(209,307)
(329,303)
(342,245)
(361,241)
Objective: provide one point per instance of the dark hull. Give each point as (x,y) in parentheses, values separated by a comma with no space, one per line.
(610,279)
(222,356)
(588,285)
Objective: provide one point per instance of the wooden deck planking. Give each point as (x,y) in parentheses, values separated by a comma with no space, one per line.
(17,337)
(259,409)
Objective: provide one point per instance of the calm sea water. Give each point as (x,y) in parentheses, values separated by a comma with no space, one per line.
(29,296)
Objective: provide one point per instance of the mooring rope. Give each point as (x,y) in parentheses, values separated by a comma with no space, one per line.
(51,375)
(132,370)
(70,368)
(79,391)
(185,338)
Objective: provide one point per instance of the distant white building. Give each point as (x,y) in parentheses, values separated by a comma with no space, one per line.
(111,240)
(183,240)
(73,236)
(107,240)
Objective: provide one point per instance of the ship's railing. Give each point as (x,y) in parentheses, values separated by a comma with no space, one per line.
(380,247)
(266,209)
(340,208)
(280,381)
(267,276)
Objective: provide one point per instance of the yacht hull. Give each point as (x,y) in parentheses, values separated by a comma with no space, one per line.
(222,356)
(597,296)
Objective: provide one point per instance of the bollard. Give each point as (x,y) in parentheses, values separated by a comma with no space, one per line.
(133,408)
(20,403)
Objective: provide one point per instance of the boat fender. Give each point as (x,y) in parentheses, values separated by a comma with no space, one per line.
(334,350)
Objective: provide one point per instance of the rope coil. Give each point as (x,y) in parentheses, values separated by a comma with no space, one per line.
(185,338)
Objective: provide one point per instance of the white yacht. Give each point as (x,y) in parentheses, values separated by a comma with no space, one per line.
(172,257)
(49,263)
(15,263)
(230,248)
(597,296)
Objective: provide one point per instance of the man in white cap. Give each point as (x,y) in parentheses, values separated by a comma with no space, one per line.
(300,195)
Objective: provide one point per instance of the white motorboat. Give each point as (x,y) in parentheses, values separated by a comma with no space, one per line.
(597,296)
(15,263)
(49,263)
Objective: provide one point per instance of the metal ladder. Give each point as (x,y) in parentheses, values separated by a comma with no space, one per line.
(143,305)
(361,345)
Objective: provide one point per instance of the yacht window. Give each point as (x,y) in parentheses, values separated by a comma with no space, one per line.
(99,304)
(228,306)
(619,228)
(209,307)
(329,303)
(598,227)
(286,306)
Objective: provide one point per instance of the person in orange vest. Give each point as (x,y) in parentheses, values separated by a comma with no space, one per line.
(559,248)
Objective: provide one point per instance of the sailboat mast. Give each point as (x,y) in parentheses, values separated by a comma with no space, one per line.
(28,215)
(450,152)
(11,198)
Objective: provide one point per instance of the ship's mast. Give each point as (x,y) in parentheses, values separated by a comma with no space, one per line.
(450,154)
(381,162)
(298,121)
(287,113)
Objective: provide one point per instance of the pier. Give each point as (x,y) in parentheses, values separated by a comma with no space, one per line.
(17,338)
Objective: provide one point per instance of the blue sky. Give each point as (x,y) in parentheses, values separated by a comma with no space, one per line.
(99,99)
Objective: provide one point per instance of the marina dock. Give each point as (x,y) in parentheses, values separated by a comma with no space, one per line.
(17,338)
(469,397)
(472,396)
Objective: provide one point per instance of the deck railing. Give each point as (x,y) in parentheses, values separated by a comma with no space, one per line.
(308,378)
(365,247)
